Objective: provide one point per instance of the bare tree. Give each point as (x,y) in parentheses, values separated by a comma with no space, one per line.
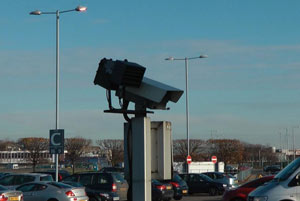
(35,146)
(75,148)
(114,150)
(8,145)
(197,150)
(228,150)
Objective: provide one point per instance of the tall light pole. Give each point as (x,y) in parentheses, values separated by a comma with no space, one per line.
(57,13)
(294,151)
(186,59)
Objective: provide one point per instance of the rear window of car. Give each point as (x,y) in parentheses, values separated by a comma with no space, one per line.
(177,178)
(46,178)
(103,179)
(60,185)
(118,178)
(2,188)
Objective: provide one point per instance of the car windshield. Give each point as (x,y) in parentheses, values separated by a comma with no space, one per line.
(287,171)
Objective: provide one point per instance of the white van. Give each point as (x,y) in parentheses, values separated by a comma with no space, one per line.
(284,187)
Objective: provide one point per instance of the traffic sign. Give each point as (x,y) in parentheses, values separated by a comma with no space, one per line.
(56,145)
(189,159)
(214,159)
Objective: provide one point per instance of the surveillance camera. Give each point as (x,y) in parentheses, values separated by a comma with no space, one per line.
(151,94)
(113,74)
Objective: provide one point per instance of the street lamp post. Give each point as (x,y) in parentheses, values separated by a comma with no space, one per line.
(294,151)
(186,59)
(57,13)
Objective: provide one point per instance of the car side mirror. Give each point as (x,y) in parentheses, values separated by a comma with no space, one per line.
(297,180)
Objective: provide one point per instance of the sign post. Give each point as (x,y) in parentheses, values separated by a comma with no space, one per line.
(214,159)
(56,145)
(188,161)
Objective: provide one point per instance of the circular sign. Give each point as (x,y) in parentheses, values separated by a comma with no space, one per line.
(214,159)
(189,159)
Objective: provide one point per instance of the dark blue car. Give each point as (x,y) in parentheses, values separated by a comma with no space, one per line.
(200,183)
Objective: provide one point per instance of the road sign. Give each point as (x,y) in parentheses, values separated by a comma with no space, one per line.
(189,159)
(214,159)
(56,145)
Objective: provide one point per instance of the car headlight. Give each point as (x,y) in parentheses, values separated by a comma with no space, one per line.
(262,198)
(224,185)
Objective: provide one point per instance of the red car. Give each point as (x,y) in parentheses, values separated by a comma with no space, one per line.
(241,193)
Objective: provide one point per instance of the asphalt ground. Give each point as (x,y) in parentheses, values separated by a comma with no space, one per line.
(201,197)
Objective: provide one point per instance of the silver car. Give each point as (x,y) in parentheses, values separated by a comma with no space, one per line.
(13,180)
(52,191)
(11,195)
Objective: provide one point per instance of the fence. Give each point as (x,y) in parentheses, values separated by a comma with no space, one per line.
(244,174)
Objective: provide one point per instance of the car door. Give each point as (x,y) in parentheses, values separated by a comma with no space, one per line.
(27,190)
(196,183)
(39,192)
(86,180)
(294,187)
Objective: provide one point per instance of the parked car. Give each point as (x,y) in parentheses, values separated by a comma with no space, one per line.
(200,183)
(161,191)
(284,186)
(14,180)
(223,178)
(111,185)
(7,194)
(61,174)
(180,187)
(112,169)
(3,174)
(241,193)
(231,169)
(273,169)
(52,191)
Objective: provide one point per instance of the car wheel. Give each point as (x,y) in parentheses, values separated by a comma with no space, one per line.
(212,191)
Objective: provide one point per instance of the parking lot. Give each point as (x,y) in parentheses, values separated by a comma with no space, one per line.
(201,197)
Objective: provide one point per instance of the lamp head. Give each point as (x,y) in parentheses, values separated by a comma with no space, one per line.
(203,56)
(169,58)
(36,12)
(81,8)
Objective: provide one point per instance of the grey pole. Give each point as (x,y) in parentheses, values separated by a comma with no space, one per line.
(187,109)
(57,88)
(186,98)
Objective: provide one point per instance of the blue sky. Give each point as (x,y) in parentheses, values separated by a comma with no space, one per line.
(248,88)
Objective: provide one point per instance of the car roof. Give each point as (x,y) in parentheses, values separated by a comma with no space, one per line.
(46,182)
(29,174)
